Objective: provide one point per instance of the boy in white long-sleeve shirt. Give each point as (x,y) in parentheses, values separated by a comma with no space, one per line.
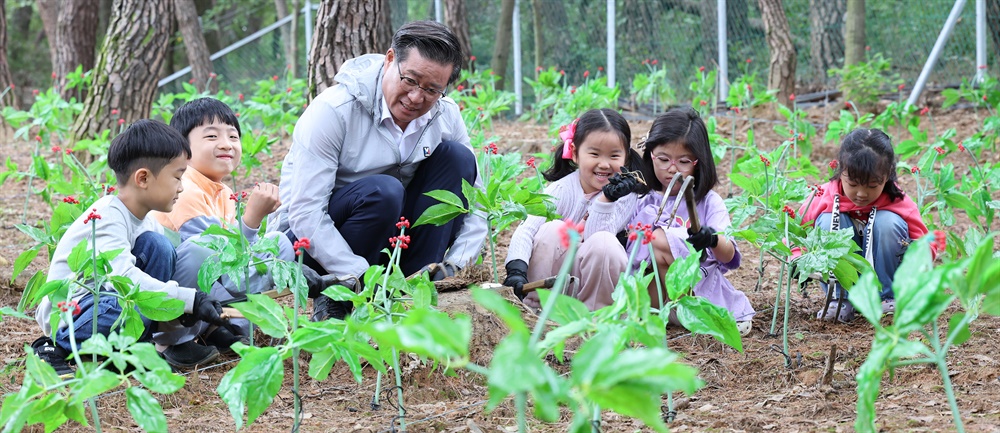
(148,158)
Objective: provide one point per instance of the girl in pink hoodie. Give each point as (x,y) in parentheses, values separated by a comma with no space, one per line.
(863,196)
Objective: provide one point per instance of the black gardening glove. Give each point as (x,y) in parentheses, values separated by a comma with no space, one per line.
(619,186)
(703,239)
(517,277)
(207,310)
(318,283)
(440,271)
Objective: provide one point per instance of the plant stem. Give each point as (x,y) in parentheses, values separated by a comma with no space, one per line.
(297,398)
(557,289)
(97,281)
(399,389)
(784,327)
(939,359)
(777,299)
(656,272)
(493,250)
(521,403)
(31,178)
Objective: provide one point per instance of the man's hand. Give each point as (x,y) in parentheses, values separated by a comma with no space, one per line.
(261,203)
(517,277)
(619,186)
(703,239)
(440,271)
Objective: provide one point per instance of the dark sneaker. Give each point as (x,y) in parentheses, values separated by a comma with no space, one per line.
(843,315)
(189,354)
(223,339)
(53,355)
(325,308)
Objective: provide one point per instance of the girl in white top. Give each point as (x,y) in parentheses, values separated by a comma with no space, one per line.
(595,148)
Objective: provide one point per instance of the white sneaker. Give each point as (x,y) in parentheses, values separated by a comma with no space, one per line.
(744,327)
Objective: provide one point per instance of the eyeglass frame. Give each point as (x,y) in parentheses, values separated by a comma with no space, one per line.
(413,84)
(671,162)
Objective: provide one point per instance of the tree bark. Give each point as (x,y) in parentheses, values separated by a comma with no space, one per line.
(501,49)
(48,10)
(456,18)
(993,23)
(76,40)
(536,10)
(6,80)
(383,28)
(344,29)
(825,41)
(287,40)
(854,32)
(781,73)
(127,68)
(195,45)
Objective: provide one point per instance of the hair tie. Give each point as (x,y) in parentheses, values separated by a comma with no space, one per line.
(566,134)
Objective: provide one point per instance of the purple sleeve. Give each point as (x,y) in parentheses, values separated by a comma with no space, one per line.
(716,216)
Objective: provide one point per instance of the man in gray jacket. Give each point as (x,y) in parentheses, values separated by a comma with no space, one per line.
(364,153)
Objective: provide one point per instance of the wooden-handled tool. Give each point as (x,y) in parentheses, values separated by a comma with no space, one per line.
(547,283)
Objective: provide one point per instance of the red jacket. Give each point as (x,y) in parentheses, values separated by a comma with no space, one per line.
(905,208)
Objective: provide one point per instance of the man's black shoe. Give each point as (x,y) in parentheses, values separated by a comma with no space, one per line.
(223,339)
(326,308)
(53,355)
(189,354)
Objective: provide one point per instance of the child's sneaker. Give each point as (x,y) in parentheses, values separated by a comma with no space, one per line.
(223,339)
(53,355)
(888,306)
(846,312)
(744,327)
(189,354)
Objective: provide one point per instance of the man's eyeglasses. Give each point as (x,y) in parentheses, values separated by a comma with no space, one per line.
(409,84)
(682,164)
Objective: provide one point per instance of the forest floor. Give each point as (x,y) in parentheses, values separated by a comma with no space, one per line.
(751,391)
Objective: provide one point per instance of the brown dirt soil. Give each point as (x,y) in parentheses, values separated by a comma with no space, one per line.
(751,391)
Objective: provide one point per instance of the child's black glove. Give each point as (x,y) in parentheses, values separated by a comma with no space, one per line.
(517,277)
(207,310)
(619,186)
(703,239)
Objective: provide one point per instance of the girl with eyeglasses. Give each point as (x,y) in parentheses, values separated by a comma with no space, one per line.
(678,142)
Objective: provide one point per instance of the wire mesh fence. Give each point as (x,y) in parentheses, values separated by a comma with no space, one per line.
(571,35)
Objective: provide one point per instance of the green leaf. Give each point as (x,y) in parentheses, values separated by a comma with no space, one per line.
(8,311)
(161,381)
(865,296)
(145,410)
(567,309)
(426,333)
(321,363)
(265,313)
(869,381)
(158,306)
(514,369)
(339,293)
(961,334)
(22,261)
(700,316)
(447,197)
(919,289)
(49,411)
(439,214)
(95,383)
(683,274)
(252,385)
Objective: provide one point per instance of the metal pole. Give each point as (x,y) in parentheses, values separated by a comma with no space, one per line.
(518,95)
(438,15)
(723,53)
(980,40)
(309,26)
(611,43)
(949,25)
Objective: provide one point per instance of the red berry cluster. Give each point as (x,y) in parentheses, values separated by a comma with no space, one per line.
(301,245)
(92,217)
(67,306)
(646,229)
(403,222)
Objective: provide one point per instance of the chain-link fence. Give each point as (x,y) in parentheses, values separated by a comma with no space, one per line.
(571,35)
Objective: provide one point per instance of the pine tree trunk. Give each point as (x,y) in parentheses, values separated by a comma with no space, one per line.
(76,39)
(501,49)
(383,28)
(781,73)
(6,80)
(48,10)
(536,10)
(344,29)
(456,18)
(825,40)
(854,32)
(287,40)
(195,45)
(128,66)
(293,45)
